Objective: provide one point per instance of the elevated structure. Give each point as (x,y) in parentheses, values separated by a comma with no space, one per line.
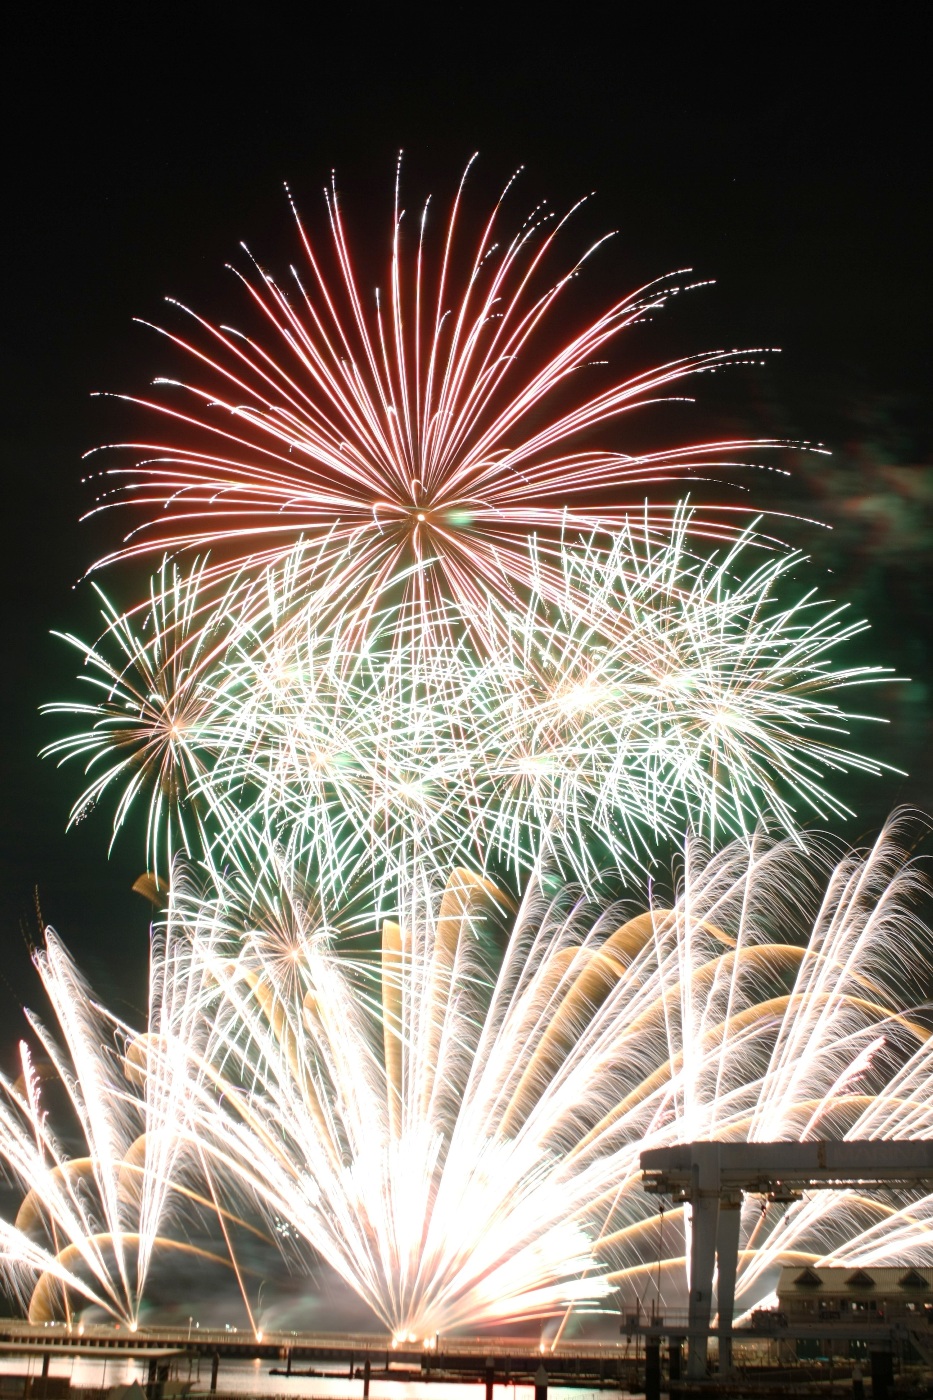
(713,1177)
(294,1354)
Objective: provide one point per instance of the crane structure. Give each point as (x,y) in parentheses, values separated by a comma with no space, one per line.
(713,1177)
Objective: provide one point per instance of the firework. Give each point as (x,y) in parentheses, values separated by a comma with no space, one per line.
(432,635)
(89,1224)
(656,690)
(432,628)
(147,728)
(433,424)
(455,1123)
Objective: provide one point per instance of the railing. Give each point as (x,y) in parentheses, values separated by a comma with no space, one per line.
(110,1335)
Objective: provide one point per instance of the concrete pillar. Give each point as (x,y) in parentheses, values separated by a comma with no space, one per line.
(727,1259)
(489,1375)
(704,1216)
(367,1368)
(46,1358)
(215,1367)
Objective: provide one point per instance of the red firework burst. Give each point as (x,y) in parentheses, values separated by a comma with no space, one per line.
(439,424)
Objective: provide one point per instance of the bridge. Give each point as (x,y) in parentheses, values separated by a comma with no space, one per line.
(500,1359)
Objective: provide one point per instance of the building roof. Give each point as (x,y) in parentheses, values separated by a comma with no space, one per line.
(856,1281)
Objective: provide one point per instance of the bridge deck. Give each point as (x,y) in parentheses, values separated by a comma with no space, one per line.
(462,1354)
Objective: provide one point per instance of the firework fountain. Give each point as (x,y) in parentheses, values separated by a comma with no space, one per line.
(455,1123)
(88,1225)
(416,671)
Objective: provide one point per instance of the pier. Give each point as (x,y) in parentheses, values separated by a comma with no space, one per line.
(353,1356)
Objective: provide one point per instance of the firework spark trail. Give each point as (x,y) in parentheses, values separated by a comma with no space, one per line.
(147,730)
(426,658)
(432,635)
(87,1228)
(655,691)
(412,430)
(456,1127)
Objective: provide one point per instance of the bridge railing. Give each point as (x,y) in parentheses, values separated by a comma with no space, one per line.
(50,1335)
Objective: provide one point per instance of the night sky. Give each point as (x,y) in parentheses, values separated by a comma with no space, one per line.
(141,146)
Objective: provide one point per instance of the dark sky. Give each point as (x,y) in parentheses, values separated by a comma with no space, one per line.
(142,144)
